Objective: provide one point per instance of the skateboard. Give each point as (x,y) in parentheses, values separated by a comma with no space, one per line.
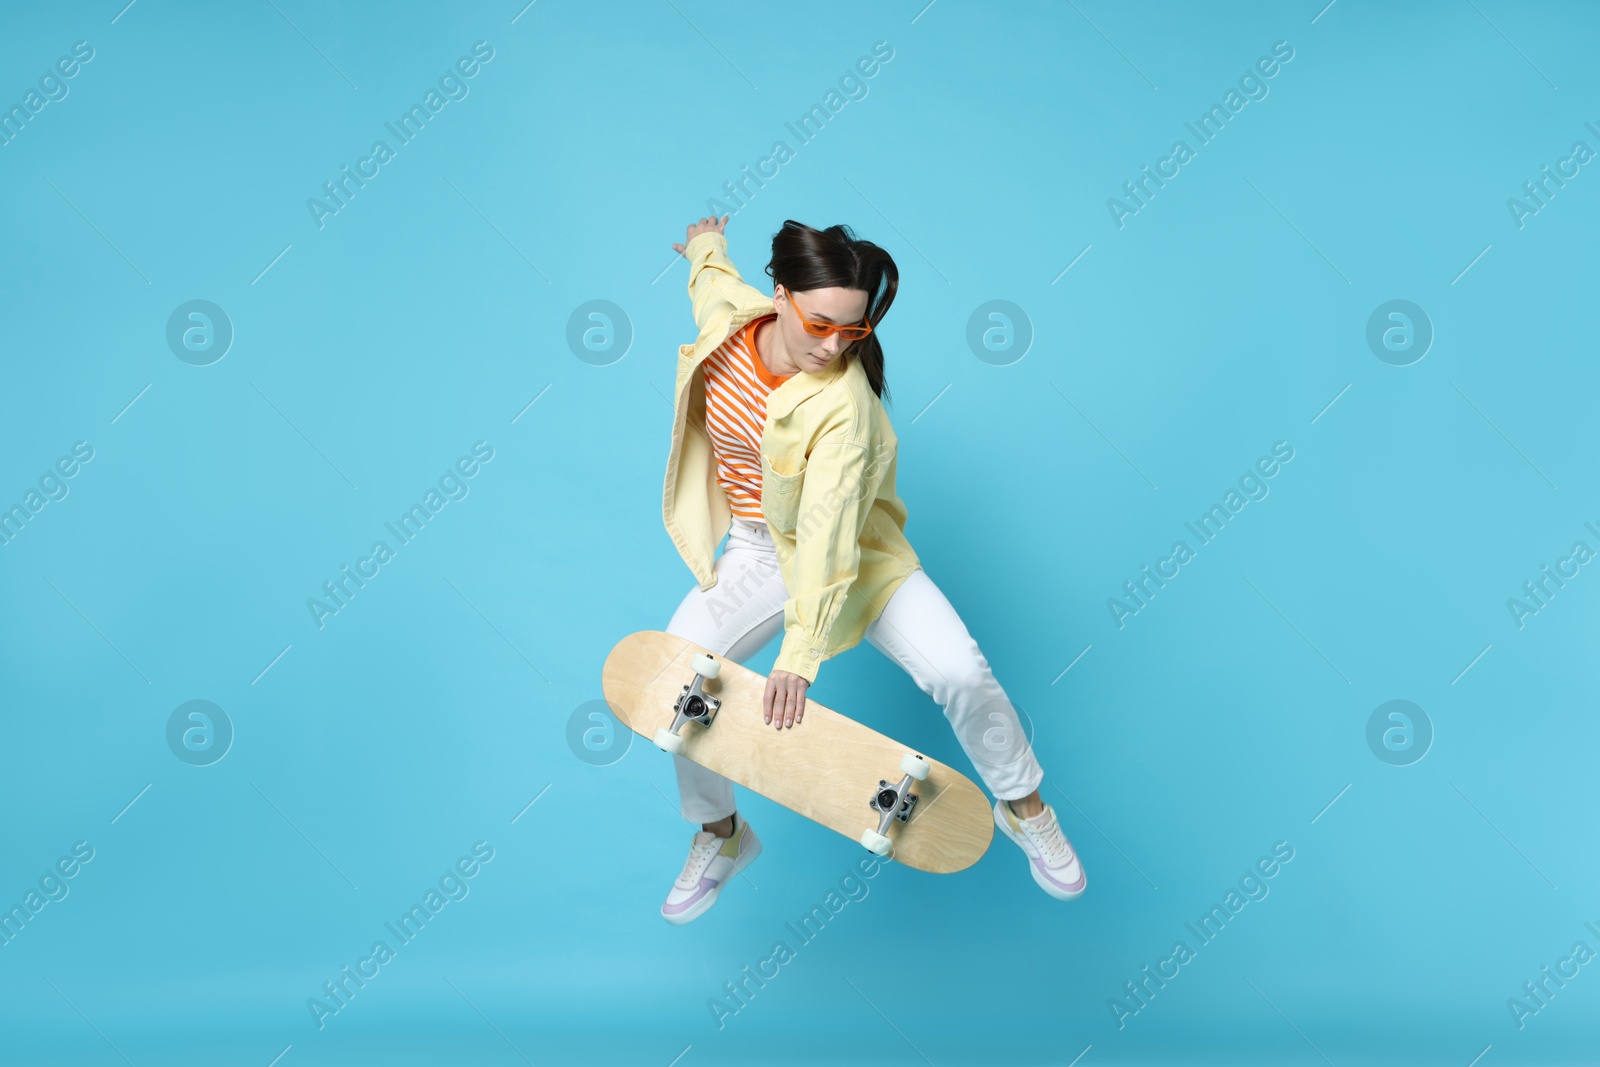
(833,770)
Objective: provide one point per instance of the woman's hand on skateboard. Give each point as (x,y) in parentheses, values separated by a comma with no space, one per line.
(708,224)
(784,702)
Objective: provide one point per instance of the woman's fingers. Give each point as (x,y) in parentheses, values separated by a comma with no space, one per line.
(706,224)
(796,703)
(783,702)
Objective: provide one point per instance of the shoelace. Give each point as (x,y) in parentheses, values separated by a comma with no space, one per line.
(1050,841)
(700,854)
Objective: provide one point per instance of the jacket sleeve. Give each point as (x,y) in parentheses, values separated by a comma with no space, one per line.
(714,283)
(841,481)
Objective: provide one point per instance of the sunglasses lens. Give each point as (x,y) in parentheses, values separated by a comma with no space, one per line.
(846,333)
(822,329)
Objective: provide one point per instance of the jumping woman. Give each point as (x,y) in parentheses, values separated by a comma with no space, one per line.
(781,441)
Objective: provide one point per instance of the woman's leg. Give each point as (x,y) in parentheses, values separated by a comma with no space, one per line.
(735,619)
(920,630)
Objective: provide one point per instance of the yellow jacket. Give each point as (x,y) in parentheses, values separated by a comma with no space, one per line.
(828,464)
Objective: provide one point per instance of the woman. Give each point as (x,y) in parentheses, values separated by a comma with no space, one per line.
(781,441)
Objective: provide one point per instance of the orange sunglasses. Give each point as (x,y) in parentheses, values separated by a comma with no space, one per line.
(854,332)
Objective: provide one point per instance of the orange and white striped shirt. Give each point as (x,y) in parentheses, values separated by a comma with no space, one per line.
(737,384)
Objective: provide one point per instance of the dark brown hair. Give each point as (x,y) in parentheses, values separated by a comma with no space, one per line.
(804,258)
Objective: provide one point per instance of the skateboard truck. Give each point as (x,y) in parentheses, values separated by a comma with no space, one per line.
(694,705)
(894,802)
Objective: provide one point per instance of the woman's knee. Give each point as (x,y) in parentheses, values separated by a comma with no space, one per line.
(962,679)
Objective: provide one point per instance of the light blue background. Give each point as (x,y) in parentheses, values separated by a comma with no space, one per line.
(429,313)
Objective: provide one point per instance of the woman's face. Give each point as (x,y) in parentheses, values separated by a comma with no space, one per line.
(844,307)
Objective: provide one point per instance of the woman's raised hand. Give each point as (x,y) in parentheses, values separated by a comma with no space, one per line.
(709,224)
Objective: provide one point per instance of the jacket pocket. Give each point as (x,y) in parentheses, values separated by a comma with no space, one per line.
(780,494)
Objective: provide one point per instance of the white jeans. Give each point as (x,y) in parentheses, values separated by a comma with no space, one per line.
(918,629)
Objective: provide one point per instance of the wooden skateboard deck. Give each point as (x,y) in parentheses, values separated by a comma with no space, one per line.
(827,766)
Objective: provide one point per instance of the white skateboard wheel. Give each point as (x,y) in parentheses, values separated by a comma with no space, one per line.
(706,665)
(667,741)
(875,842)
(915,766)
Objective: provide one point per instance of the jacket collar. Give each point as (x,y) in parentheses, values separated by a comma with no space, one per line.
(800,386)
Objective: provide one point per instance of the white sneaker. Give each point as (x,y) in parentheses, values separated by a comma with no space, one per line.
(1050,857)
(712,861)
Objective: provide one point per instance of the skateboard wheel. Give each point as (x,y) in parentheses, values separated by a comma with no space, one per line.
(667,741)
(915,766)
(875,842)
(706,665)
